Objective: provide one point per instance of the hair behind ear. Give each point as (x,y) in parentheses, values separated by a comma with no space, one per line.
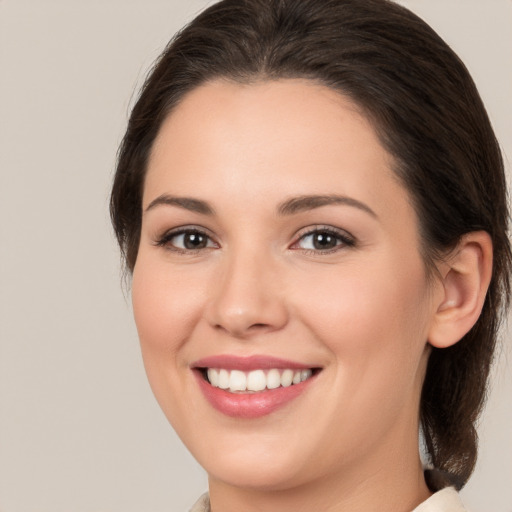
(463,338)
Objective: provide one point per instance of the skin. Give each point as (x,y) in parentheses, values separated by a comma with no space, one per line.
(361,312)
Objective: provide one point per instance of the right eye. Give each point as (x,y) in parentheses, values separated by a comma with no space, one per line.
(186,240)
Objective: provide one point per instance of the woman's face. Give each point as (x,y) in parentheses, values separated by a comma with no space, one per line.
(277,245)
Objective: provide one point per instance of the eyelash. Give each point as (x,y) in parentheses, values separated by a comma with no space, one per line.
(343,240)
(165,240)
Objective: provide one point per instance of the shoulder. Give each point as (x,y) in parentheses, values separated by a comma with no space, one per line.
(446,500)
(202,504)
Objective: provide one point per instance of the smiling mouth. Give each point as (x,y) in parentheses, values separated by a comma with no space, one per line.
(256,381)
(252,387)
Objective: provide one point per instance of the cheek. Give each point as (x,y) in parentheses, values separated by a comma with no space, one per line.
(375,327)
(368,305)
(166,306)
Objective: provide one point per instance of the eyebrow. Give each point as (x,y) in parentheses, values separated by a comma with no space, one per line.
(304,203)
(289,207)
(187,203)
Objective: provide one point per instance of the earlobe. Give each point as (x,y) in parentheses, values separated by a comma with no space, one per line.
(464,281)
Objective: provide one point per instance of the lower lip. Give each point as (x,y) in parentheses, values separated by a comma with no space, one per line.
(250,405)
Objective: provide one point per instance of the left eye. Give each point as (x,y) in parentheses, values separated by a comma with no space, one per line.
(323,240)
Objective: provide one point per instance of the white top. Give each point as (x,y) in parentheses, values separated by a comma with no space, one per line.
(446,500)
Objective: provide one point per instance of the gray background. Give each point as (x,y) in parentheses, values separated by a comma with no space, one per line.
(79,428)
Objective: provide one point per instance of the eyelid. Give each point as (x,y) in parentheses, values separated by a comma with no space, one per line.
(164,239)
(347,239)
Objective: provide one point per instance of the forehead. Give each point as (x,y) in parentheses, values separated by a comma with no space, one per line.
(268,139)
(267,114)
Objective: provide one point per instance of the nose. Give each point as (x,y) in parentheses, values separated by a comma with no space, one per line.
(248,298)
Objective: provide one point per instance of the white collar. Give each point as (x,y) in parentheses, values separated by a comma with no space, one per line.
(446,500)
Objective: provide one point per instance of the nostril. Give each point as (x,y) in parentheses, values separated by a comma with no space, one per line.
(246,315)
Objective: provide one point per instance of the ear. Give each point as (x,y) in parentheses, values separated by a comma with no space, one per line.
(465,278)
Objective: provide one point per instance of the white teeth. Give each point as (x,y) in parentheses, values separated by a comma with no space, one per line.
(237,381)
(256,380)
(287,378)
(213,377)
(305,374)
(273,379)
(223,379)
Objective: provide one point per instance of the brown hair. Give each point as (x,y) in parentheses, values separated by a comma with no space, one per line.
(429,116)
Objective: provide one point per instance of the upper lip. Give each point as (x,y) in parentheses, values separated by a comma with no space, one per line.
(255,362)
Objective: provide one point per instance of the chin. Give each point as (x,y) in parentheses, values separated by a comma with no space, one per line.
(263,477)
(252,468)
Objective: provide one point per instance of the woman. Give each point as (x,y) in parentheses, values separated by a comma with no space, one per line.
(312,204)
